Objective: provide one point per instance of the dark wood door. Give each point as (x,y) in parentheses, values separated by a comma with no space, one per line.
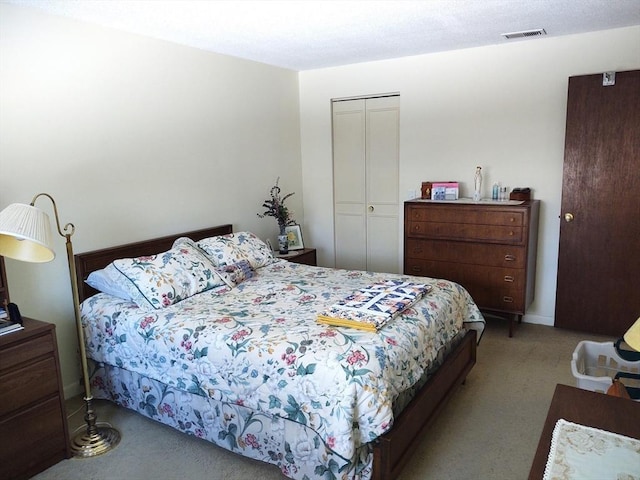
(598,287)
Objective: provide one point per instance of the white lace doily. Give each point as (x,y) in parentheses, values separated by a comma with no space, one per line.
(579,452)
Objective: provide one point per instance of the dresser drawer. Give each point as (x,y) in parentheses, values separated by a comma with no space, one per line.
(495,255)
(36,439)
(33,424)
(34,381)
(503,300)
(17,354)
(491,287)
(470,215)
(467,232)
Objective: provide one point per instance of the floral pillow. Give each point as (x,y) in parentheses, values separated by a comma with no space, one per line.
(235,273)
(158,281)
(235,247)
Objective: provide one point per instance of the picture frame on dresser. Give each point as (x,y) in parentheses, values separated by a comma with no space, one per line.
(294,236)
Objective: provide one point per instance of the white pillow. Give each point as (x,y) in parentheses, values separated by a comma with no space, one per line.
(182,241)
(109,280)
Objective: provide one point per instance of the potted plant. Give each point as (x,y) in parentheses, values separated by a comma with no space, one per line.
(276,208)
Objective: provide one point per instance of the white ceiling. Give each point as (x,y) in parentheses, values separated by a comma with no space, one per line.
(303,35)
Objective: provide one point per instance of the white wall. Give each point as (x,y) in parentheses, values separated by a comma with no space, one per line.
(134,138)
(502,107)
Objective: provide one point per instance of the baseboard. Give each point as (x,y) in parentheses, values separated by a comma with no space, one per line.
(538,319)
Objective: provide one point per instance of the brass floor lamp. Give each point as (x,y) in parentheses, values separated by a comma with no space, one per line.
(25,234)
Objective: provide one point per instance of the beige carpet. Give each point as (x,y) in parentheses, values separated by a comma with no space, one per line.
(489,430)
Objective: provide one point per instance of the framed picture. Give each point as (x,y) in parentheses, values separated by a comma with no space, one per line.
(294,235)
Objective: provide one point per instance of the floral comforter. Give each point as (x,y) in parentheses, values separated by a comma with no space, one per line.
(258,345)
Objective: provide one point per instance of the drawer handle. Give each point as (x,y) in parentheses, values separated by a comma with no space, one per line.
(416,228)
(511,233)
(507,299)
(509,258)
(416,269)
(508,278)
(512,219)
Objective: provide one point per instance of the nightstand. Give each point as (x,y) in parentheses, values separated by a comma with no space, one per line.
(306,256)
(33,419)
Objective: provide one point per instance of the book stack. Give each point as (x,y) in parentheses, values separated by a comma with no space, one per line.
(6,325)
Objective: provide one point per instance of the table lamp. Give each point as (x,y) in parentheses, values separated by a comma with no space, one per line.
(25,234)
(632,337)
(632,340)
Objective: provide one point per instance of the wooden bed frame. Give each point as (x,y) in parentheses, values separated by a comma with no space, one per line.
(392,450)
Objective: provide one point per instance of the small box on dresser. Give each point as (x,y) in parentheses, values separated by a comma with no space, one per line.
(33,419)
(490,249)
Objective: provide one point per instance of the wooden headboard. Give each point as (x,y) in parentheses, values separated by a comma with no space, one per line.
(97,259)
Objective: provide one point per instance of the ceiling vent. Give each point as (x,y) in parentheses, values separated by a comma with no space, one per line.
(527,33)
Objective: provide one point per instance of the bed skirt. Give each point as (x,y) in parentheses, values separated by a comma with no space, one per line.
(297,450)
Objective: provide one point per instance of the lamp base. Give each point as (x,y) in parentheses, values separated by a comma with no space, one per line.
(100,440)
(96,439)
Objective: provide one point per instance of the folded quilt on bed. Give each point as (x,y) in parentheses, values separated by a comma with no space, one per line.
(372,307)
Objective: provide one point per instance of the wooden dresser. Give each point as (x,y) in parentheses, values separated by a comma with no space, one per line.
(490,249)
(33,421)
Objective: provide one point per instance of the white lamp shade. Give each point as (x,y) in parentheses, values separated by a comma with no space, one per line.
(25,234)
(632,337)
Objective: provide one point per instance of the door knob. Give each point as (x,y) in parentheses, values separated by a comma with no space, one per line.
(568,217)
(371,209)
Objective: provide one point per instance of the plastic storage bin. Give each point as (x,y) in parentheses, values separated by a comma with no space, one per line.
(595,365)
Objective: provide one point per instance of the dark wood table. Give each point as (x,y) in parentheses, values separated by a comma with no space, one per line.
(613,414)
(306,256)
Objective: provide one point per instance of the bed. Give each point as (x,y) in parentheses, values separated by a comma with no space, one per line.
(244,364)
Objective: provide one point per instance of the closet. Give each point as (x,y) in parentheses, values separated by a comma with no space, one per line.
(365,183)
